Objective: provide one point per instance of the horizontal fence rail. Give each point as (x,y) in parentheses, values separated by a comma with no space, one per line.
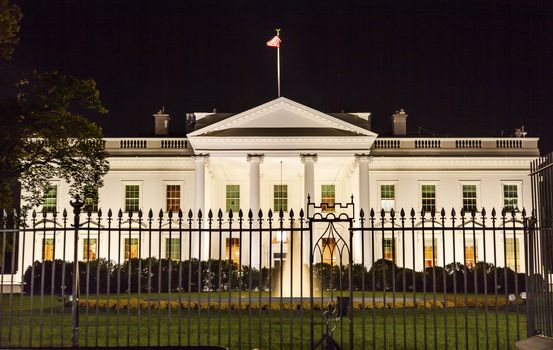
(317,278)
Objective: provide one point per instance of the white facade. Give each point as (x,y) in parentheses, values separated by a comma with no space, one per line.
(285,143)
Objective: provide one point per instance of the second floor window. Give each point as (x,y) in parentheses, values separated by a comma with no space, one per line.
(387,197)
(469,198)
(510,197)
(173,198)
(428,193)
(233,198)
(328,197)
(50,199)
(91,199)
(132,198)
(280,198)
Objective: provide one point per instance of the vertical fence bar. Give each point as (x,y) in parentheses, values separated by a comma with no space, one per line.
(455,267)
(52,279)
(108,279)
(77,205)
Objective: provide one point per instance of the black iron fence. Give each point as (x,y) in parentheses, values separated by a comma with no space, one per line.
(322,278)
(540,245)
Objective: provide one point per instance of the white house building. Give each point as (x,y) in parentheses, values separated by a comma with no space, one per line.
(274,155)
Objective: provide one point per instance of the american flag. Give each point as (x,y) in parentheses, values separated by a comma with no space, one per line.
(274,42)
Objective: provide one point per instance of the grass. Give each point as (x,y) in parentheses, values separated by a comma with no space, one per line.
(50,325)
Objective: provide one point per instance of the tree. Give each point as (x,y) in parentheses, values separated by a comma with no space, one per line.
(43,134)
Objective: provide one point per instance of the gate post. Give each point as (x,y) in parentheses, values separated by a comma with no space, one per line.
(77,205)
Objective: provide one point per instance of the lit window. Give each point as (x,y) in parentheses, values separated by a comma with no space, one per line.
(48,249)
(470,252)
(469,198)
(510,197)
(430,252)
(132,198)
(89,249)
(512,246)
(91,199)
(328,197)
(233,250)
(131,248)
(233,198)
(173,198)
(387,197)
(428,193)
(172,248)
(281,236)
(50,199)
(389,249)
(280,195)
(329,250)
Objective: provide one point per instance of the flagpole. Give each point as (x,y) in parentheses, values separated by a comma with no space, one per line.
(278,64)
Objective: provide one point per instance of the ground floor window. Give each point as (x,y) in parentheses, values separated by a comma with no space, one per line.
(512,255)
(131,248)
(470,252)
(172,248)
(329,250)
(48,249)
(233,250)
(389,249)
(430,252)
(90,247)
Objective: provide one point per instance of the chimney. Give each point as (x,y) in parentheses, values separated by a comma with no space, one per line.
(161,123)
(399,123)
(190,122)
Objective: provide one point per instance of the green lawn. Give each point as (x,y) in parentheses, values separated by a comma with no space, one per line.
(50,326)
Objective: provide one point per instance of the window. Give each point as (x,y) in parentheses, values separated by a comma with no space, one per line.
(469,198)
(50,199)
(48,249)
(329,250)
(89,249)
(389,249)
(233,198)
(430,252)
(173,198)
(131,248)
(512,246)
(233,250)
(510,196)
(280,195)
(328,197)
(91,199)
(281,236)
(428,194)
(387,197)
(172,248)
(470,252)
(132,198)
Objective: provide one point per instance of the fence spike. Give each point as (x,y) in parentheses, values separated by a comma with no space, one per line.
(402,213)
(503,212)
(240,214)
(270,215)
(462,212)
(190,214)
(493,212)
(371,214)
(513,213)
(523,212)
(150,213)
(361,213)
(220,214)
(210,214)
(260,213)
(413,213)
(281,213)
(140,213)
(483,212)
(33,214)
(422,212)
(453,212)
(230,214)
(180,213)
(100,212)
(170,214)
(433,213)
(392,212)
(291,213)
(382,213)
(442,212)
(120,213)
(200,214)
(301,213)
(44,212)
(160,214)
(110,213)
(250,214)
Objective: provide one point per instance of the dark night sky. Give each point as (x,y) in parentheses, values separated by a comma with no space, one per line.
(457,67)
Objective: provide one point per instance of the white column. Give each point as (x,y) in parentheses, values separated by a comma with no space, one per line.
(308,161)
(199,204)
(363,161)
(254,160)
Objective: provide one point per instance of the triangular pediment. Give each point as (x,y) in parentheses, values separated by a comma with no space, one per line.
(281,124)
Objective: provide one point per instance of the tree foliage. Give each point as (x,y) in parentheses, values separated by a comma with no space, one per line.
(10,24)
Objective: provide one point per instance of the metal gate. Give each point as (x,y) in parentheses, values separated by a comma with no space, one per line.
(329,277)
